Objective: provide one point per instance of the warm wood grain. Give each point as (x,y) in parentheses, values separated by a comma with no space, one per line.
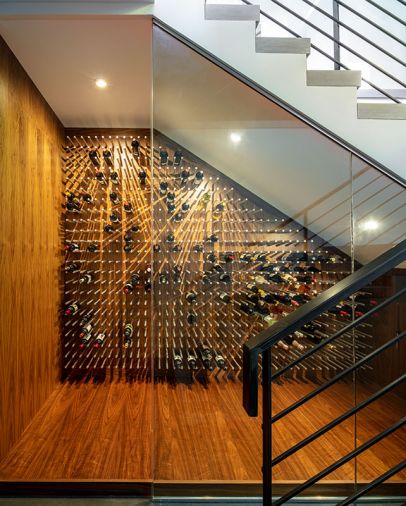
(106,432)
(87,431)
(31,138)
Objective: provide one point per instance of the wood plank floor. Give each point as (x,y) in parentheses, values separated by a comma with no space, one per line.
(104,432)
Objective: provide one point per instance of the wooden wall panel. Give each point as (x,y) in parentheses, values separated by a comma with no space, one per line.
(31,138)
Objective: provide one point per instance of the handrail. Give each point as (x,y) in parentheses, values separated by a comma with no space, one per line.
(277,100)
(306,313)
(337,377)
(326,55)
(355,32)
(388,13)
(370,486)
(354,453)
(309,439)
(345,46)
(339,333)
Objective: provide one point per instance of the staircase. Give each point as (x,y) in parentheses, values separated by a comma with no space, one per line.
(276,66)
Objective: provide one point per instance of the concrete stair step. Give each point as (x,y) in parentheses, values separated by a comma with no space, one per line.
(232,12)
(334,78)
(381,111)
(289,45)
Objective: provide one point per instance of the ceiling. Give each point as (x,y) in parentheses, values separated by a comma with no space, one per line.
(64,57)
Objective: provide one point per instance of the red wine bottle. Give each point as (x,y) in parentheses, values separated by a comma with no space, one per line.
(108,158)
(86,329)
(85,340)
(71,246)
(100,339)
(94,157)
(72,309)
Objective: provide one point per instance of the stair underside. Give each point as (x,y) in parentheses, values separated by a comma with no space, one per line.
(232,12)
(381,111)
(292,45)
(334,78)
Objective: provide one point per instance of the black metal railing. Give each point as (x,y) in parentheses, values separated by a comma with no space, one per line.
(263,345)
(338,44)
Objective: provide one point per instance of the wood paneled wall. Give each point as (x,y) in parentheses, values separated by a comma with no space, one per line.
(31,139)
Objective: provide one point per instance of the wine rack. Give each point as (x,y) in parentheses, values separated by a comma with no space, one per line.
(170,270)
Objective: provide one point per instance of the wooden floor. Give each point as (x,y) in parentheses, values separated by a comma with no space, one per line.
(104,432)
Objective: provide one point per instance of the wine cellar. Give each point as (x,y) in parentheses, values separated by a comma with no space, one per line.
(134,273)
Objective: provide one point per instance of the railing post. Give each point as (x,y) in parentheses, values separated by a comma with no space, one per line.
(336,35)
(267,426)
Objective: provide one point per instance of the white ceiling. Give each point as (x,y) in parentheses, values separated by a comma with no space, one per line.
(64,57)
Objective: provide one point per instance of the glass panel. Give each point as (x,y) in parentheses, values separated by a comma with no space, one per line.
(251,218)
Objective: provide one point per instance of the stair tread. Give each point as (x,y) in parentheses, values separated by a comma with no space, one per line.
(229,12)
(290,45)
(334,78)
(381,111)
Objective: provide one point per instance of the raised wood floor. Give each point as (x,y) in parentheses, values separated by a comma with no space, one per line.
(141,432)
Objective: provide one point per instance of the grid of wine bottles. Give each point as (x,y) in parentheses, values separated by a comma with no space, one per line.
(170,270)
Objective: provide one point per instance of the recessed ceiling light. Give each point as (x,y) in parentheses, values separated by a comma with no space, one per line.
(101,83)
(370,225)
(235,137)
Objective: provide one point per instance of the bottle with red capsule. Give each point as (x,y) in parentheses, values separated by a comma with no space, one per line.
(228,258)
(86,329)
(72,309)
(100,339)
(85,340)
(71,246)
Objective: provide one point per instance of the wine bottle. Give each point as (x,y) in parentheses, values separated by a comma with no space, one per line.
(73,205)
(228,258)
(94,157)
(224,297)
(114,177)
(86,329)
(177,358)
(253,297)
(212,238)
(135,148)
(225,278)
(252,287)
(72,246)
(128,207)
(114,217)
(142,176)
(218,211)
(156,248)
(100,339)
(191,317)
(207,357)
(135,228)
(171,207)
(87,198)
(100,177)
(72,267)
(85,319)
(108,228)
(85,340)
(218,268)
(246,258)
(191,359)
(266,296)
(246,308)
(163,278)
(72,309)
(92,247)
(170,238)
(163,187)
(163,157)
(211,257)
(114,198)
(204,200)
(191,297)
(177,157)
(128,247)
(206,278)
(170,197)
(184,176)
(199,176)
(220,360)
(128,334)
(185,207)
(108,158)
(198,248)
(178,218)
(86,278)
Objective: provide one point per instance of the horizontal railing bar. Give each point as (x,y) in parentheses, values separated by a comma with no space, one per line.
(341,44)
(354,453)
(343,330)
(355,32)
(306,313)
(388,13)
(370,486)
(337,377)
(337,421)
(369,21)
(326,55)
